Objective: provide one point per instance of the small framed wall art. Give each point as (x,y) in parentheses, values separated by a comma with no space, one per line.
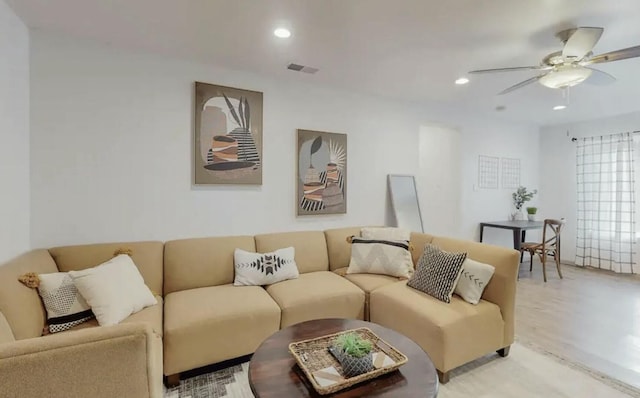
(228,135)
(322,173)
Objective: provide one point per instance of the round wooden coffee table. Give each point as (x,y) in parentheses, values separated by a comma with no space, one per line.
(274,373)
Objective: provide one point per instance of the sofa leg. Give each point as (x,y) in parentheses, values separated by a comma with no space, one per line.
(443,377)
(173,380)
(503,352)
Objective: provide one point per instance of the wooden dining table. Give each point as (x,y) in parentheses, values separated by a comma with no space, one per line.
(519,228)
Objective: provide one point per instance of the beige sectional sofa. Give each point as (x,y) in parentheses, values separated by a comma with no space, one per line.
(201,318)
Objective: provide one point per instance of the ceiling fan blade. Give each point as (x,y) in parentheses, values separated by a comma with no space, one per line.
(600,78)
(521,84)
(631,52)
(515,68)
(581,42)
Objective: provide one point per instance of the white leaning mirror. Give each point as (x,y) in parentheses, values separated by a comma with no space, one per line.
(404,202)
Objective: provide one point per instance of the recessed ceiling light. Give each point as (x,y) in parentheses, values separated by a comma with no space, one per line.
(462,80)
(282,33)
(559,107)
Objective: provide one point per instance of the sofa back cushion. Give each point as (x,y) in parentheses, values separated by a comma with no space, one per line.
(338,248)
(146,255)
(21,306)
(418,242)
(201,262)
(6,334)
(310,246)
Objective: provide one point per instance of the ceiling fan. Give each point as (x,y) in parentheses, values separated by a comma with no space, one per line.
(570,66)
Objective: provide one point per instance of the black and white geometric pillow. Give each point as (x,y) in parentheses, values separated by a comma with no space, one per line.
(377,256)
(474,279)
(259,269)
(437,272)
(65,306)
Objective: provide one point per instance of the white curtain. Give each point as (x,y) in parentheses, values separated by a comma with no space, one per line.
(606,203)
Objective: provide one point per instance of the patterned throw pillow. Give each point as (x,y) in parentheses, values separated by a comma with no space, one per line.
(437,272)
(475,277)
(258,269)
(65,306)
(376,256)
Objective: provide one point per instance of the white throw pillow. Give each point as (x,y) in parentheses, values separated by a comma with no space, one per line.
(114,289)
(377,256)
(65,306)
(258,269)
(385,233)
(474,279)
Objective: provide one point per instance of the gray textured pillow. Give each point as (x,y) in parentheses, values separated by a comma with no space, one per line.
(475,277)
(437,272)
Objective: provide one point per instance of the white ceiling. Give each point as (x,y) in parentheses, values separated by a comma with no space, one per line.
(404,49)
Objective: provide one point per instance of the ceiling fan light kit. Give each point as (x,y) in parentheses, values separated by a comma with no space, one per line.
(565,76)
(568,67)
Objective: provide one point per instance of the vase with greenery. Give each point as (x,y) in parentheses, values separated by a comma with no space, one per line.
(520,197)
(356,357)
(531,213)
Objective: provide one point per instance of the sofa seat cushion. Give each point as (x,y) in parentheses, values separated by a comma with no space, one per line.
(212,324)
(369,283)
(452,334)
(151,315)
(317,295)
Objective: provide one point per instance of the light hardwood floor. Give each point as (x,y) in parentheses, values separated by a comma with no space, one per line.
(590,317)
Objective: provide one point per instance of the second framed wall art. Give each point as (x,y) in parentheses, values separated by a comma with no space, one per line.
(322,173)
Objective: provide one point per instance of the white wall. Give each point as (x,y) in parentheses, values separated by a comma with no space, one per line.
(439,179)
(558,169)
(112,149)
(112,145)
(451,202)
(503,140)
(14,134)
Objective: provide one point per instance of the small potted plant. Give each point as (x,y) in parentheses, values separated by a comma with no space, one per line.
(520,197)
(531,213)
(355,354)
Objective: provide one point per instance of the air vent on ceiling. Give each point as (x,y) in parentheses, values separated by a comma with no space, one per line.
(302,68)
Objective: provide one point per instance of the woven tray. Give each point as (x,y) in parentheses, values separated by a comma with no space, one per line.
(313,355)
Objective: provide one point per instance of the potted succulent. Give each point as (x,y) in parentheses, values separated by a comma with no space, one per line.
(520,197)
(531,213)
(355,354)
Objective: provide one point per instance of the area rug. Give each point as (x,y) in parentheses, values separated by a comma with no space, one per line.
(524,373)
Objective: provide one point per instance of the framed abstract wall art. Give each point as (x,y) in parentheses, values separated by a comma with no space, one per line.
(228,135)
(322,173)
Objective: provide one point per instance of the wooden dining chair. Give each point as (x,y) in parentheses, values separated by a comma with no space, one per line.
(550,246)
